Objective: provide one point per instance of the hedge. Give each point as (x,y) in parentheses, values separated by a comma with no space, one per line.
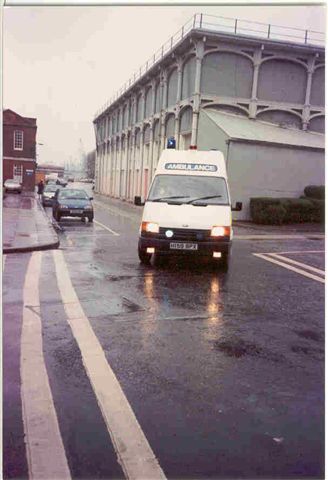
(276,211)
(315,191)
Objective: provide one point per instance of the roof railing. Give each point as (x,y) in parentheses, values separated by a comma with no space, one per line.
(225,25)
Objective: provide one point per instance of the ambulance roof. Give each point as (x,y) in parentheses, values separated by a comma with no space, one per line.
(191,162)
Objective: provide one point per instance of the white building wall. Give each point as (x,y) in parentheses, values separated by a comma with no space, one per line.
(256,170)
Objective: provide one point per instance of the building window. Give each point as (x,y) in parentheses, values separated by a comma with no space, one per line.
(18,140)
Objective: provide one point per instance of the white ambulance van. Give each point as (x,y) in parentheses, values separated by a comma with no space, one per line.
(188,208)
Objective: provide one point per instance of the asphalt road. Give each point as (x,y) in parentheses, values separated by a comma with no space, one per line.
(222,373)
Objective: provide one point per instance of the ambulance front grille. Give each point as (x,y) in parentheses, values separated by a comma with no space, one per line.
(186,234)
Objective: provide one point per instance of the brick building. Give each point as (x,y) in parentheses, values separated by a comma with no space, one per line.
(19,148)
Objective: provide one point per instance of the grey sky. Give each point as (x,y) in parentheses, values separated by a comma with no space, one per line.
(61,64)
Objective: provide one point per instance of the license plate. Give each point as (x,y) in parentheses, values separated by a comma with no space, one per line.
(183,246)
(76,211)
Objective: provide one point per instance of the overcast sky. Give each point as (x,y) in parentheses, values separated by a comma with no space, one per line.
(61,64)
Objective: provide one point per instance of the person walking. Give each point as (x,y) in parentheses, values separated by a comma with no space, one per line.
(40,189)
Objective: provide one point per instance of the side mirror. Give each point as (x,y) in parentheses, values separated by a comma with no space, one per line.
(90,198)
(238,207)
(138,201)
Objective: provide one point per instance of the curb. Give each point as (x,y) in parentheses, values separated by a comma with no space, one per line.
(32,248)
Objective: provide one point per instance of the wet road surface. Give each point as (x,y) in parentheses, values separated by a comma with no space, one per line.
(223,372)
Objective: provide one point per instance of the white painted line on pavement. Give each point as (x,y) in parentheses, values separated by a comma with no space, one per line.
(133,450)
(44,447)
(107,228)
(278,237)
(289,267)
(304,265)
(301,251)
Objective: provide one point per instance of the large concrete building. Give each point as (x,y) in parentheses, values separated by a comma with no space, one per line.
(257,97)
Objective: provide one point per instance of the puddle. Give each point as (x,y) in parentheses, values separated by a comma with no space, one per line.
(310,335)
(237,348)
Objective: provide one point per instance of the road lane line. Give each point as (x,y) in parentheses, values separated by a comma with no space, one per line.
(107,228)
(133,450)
(44,447)
(289,267)
(294,262)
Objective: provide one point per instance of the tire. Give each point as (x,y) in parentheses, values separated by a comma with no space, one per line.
(225,261)
(144,257)
(158,260)
(57,216)
(90,218)
(222,263)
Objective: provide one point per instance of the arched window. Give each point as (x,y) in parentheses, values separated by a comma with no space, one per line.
(158,98)
(172,88)
(169,126)
(188,78)
(282,81)
(148,96)
(318,87)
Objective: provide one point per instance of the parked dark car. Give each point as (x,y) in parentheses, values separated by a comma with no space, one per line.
(12,185)
(72,202)
(49,194)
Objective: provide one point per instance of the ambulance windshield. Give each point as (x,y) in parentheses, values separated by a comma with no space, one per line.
(188,189)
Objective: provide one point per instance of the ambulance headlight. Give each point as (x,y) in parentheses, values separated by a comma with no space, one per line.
(150,227)
(220,232)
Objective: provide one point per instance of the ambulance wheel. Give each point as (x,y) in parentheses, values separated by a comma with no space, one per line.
(144,257)
(158,259)
(222,263)
(225,262)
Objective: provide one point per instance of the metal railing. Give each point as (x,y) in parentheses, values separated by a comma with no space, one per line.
(224,25)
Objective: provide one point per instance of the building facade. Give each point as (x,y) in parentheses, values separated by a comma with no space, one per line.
(261,81)
(19,148)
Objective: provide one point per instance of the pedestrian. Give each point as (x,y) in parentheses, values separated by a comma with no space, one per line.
(40,189)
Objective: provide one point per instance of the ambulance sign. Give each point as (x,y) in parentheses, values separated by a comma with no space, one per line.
(191,167)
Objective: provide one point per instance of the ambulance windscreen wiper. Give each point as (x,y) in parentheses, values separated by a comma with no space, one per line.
(167,198)
(204,198)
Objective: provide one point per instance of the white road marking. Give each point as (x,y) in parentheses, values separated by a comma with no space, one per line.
(289,267)
(278,237)
(301,251)
(304,265)
(107,228)
(133,450)
(44,447)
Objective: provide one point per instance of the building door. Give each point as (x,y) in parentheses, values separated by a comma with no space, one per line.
(18,173)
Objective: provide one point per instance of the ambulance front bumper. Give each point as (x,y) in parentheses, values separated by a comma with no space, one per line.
(185,245)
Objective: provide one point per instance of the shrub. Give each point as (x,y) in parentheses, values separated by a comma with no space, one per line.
(298,210)
(275,211)
(315,191)
(267,211)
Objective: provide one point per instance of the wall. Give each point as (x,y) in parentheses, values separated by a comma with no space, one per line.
(28,177)
(265,171)
(210,136)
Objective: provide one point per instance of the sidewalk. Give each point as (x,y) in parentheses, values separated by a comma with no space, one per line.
(25,225)
(242,229)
